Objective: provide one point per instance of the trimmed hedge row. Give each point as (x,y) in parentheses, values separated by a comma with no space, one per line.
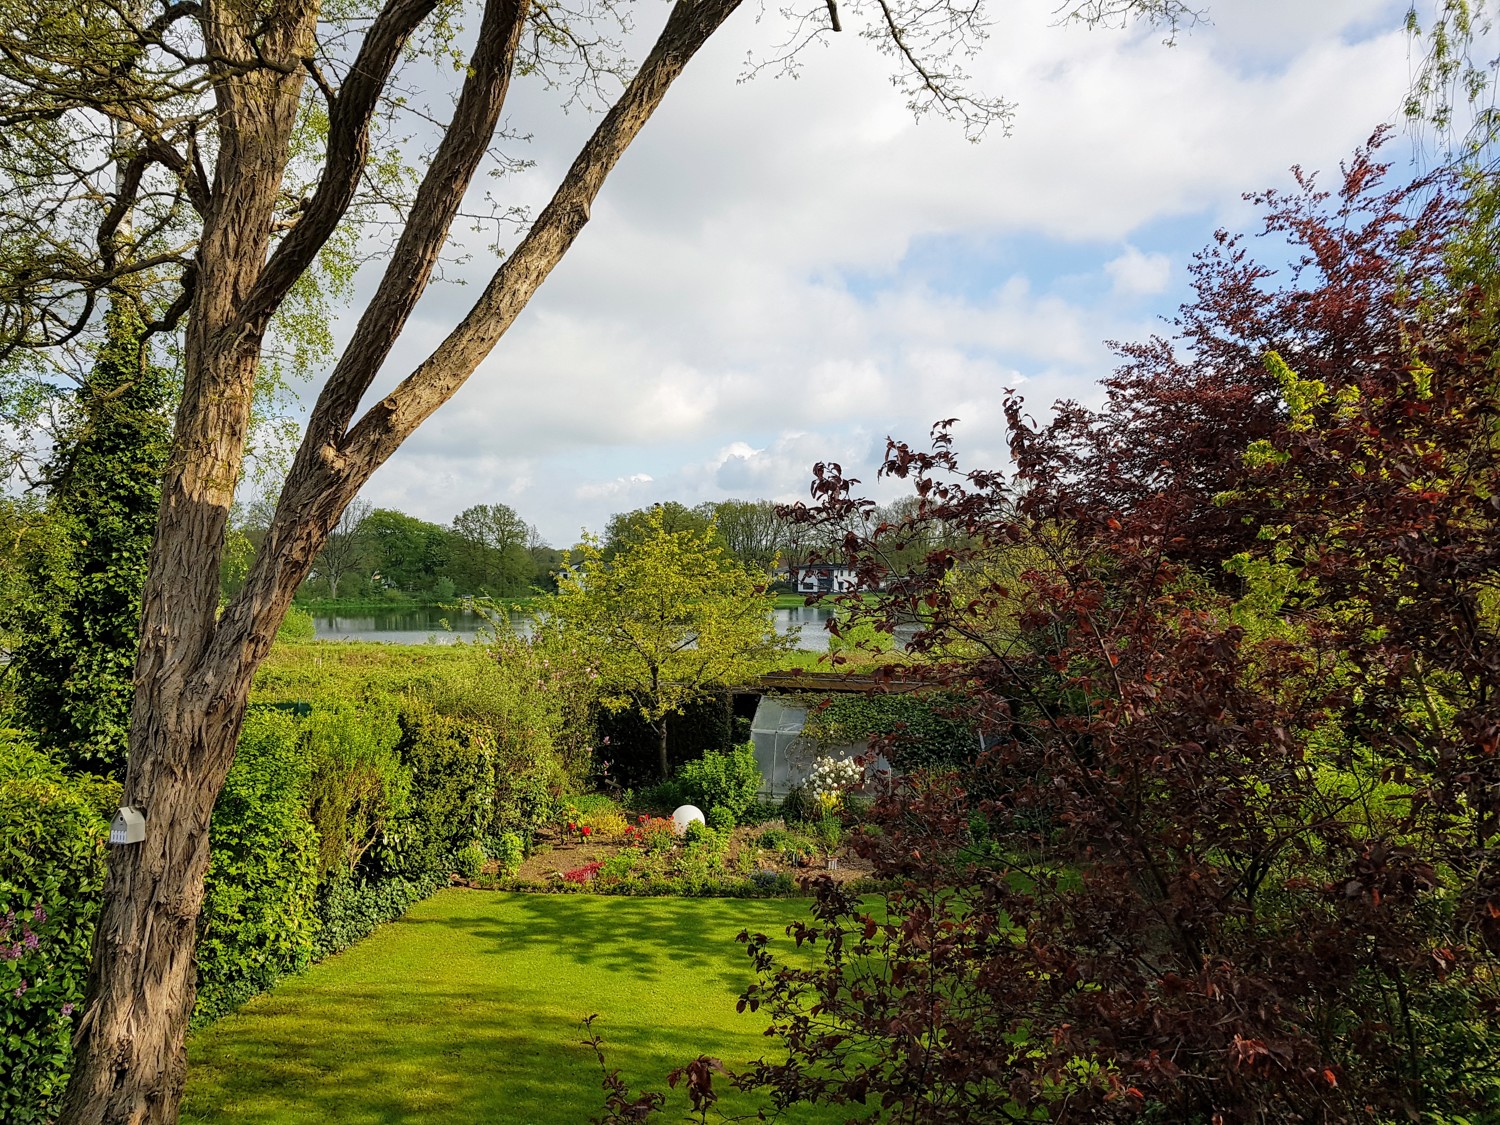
(327,827)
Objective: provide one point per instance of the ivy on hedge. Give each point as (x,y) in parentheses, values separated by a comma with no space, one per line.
(78,625)
(916,731)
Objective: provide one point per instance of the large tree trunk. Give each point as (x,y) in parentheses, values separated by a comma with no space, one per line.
(661,750)
(189,701)
(194,668)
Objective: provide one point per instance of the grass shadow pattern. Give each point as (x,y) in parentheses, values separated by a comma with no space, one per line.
(468,1010)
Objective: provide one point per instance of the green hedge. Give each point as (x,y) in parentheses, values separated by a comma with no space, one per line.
(52,844)
(452,786)
(258,923)
(401,794)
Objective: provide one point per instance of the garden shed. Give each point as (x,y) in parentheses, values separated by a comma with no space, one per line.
(783,754)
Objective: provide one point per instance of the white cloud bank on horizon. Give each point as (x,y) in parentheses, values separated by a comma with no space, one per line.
(788,271)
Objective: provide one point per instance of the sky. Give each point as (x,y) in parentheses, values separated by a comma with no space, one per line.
(782,271)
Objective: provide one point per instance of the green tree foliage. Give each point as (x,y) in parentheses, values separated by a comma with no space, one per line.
(666,619)
(488,551)
(630,529)
(629,746)
(751,531)
(491,551)
(406,553)
(71,670)
(35,552)
(52,832)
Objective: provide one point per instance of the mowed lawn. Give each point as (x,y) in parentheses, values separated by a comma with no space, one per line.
(469,1010)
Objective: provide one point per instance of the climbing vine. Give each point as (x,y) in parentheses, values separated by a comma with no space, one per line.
(914,730)
(77,624)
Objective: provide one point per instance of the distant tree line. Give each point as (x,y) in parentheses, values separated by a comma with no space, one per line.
(489,550)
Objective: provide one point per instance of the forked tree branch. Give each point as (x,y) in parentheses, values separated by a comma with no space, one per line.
(326,474)
(348,143)
(463,147)
(387,424)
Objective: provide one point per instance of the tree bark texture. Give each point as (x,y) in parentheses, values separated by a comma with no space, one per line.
(195,665)
(130,1063)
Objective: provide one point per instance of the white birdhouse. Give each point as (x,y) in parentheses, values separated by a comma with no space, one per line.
(128,826)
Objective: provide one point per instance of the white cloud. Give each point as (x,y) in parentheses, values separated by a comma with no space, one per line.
(612,489)
(747,297)
(1135,274)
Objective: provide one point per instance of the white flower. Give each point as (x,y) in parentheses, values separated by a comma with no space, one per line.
(831,777)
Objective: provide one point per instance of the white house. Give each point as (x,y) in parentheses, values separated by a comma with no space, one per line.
(821,578)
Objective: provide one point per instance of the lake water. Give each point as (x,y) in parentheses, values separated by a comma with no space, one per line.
(444,626)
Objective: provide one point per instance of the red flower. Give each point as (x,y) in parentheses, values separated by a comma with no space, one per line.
(572,827)
(587,830)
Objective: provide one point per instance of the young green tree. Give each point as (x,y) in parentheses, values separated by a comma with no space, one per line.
(666,620)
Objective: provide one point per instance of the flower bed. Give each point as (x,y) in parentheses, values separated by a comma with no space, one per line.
(648,858)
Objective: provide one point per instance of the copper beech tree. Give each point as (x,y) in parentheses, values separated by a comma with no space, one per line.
(235,137)
(1232,851)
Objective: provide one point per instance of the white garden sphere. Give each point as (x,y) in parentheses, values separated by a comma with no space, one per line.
(685,816)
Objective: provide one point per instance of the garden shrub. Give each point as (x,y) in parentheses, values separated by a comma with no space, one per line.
(522,801)
(664,796)
(509,850)
(655,834)
(257,923)
(469,861)
(721,818)
(358,782)
(298,625)
(800,806)
(727,780)
(536,701)
(451,793)
(52,846)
